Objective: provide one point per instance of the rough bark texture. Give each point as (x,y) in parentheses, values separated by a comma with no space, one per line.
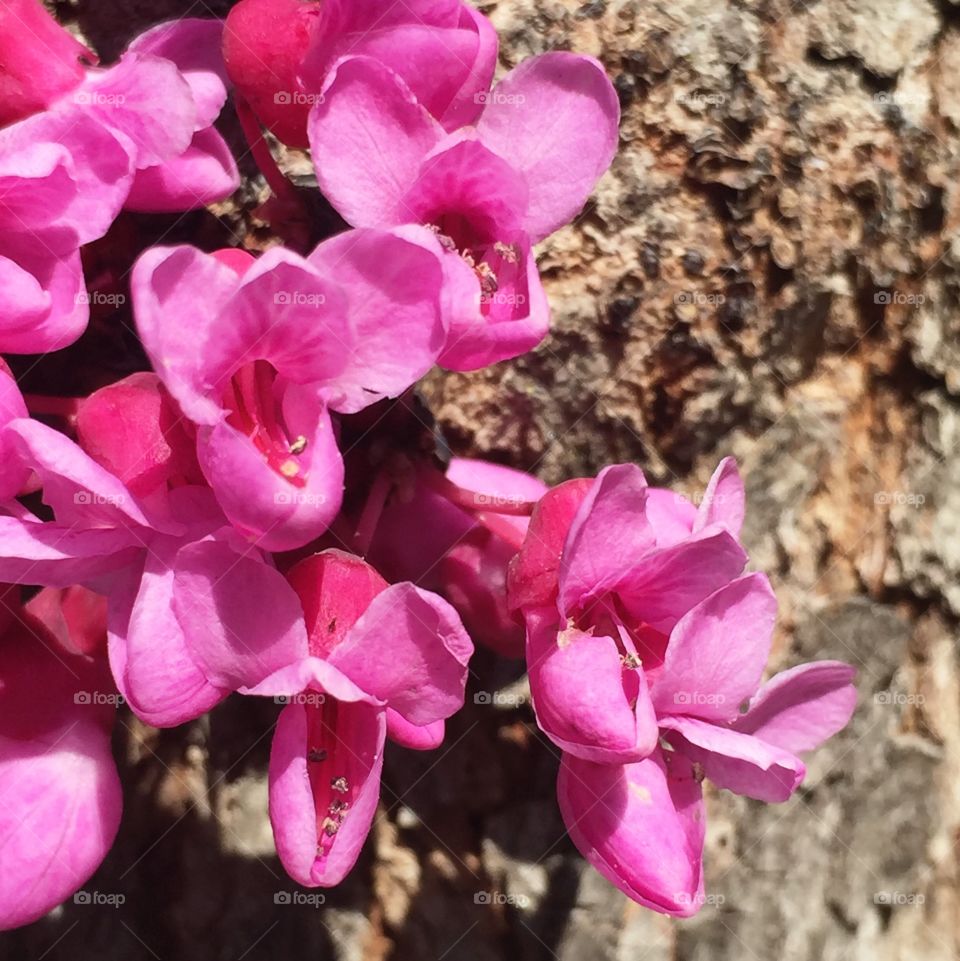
(771,269)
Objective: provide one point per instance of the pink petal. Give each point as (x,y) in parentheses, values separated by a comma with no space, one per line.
(444,51)
(194,47)
(467,103)
(410,650)
(368,137)
(738,762)
(265,505)
(192,287)
(723,501)
(75,616)
(496,482)
(305,675)
(468,192)
(414,736)
(473,577)
(582,694)
(101,167)
(510,322)
(36,184)
(76,487)
(301,790)
(152,662)
(665,584)
(60,808)
(640,825)
(799,709)
(146,99)
(39,60)
(58,555)
(607,537)
(288,313)
(555,119)
(670,515)
(60,796)
(717,652)
(13,475)
(402,555)
(436,63)
(393,289)
(240,618)
(43,300)
(203,174)
(532,578)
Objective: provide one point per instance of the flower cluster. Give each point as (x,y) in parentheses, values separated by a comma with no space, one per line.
(263,507)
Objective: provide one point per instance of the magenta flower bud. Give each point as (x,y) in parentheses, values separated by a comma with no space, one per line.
(280,52)
(264,43)
(39,60)
(134,430)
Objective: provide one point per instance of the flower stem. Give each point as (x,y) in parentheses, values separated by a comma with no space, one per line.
(282,189)
(46,404)
(372,511)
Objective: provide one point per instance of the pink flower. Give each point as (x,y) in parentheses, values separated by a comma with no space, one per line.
(490,191)
(63,182)
(138,133)
(362,658)
(279,52)
(259,362)
(203,172)
(644,643)
(127,545)
(60,796)
(456,553)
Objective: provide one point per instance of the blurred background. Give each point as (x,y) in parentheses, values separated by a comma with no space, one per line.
(770,270)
